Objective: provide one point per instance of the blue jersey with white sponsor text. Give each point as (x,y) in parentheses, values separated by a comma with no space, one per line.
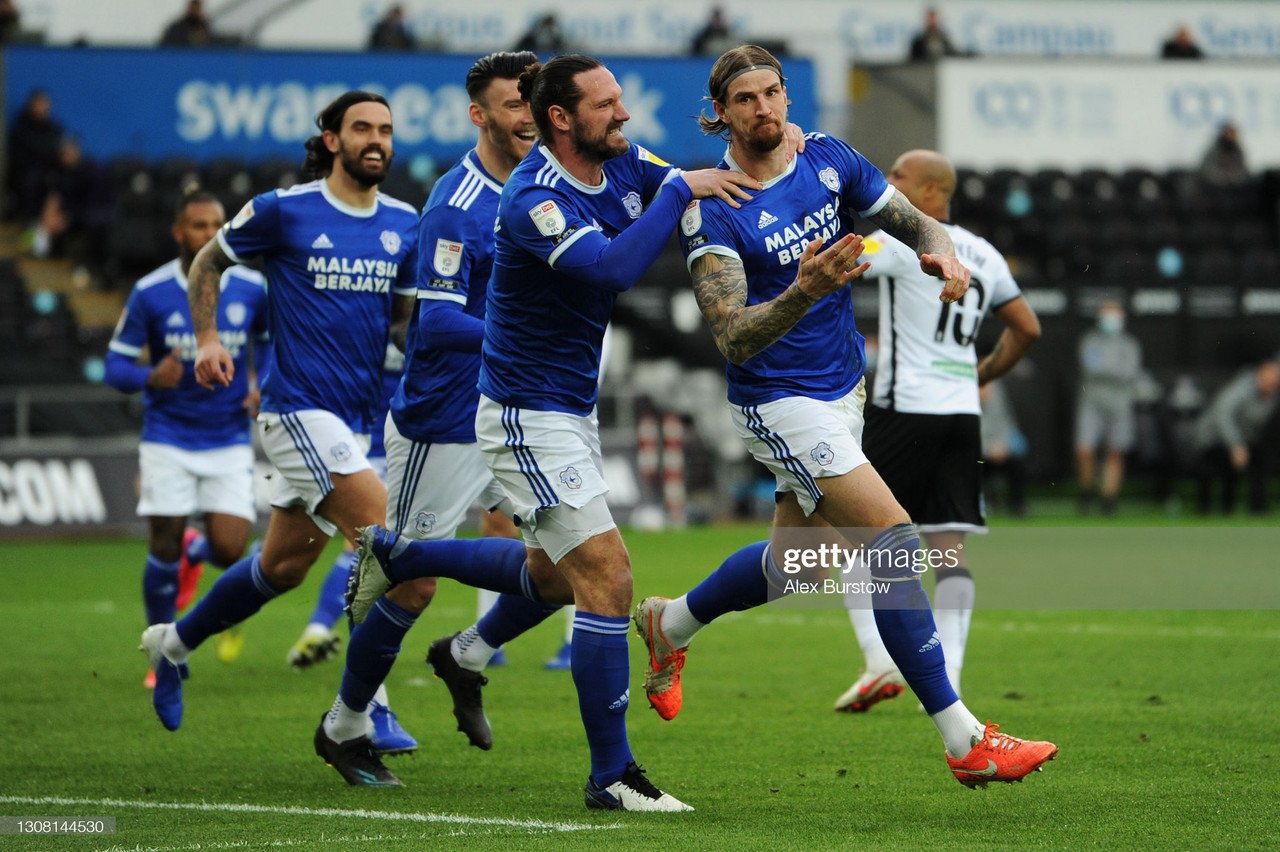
(544,319)
(436,402)
(333,269)
(158,317)
(822,355)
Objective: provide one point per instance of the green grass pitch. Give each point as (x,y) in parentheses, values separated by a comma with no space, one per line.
(1166,719)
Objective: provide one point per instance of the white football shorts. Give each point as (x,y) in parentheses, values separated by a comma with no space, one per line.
(431,486)
(801,440)
(306,448)
(180,483)
(550,468)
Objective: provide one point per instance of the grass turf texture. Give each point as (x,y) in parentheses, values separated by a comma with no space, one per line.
(1166,722)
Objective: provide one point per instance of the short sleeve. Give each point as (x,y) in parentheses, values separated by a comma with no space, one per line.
(541,220)
(889,257)
(448,245)
(654,171)
(130,335)
(1004,289)
(705,229)
(407,273)
(863,188)
(255,230)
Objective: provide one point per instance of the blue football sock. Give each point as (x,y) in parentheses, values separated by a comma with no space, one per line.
(510,616)
(332,594)
(372,651)
(601,672)
(238,593)
(739,583)
(159,589)
(200,551)
(905,619)
(485,563)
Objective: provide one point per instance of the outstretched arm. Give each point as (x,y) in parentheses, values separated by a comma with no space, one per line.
(900,218)
(214,366)
(742,331)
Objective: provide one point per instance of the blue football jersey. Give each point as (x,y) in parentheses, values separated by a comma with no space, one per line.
(436,402)
(333,269)
(822,355)
(392,373)
(158,317)
(544,319)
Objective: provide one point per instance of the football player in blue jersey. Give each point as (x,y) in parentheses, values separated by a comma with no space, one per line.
(336,252)
(579,220)
(195,455)
(781,313)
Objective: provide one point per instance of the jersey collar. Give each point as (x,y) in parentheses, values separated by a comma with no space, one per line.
(359,212)
(472,163)
(573,181)
(791,167)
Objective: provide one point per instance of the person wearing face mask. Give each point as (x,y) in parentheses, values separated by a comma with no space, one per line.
(1110,363)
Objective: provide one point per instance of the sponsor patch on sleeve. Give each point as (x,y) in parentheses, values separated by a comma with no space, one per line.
(245,214)
(547,218)
(691,221)
(871,246)
(448,258)
(649,157)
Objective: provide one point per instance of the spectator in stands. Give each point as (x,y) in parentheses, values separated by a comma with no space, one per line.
(391,32)
(191,30)
(1224,162)
(10,21)
(1181,45)
(544,38)
(1229,436)
(716,35)
(76,217)
(33,154)
(1110,363)
(1003,448)
(932,42)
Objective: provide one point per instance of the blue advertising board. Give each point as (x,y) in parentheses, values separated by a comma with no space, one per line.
(157,102)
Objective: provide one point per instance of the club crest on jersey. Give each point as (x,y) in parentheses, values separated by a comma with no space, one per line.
(571,478)
(631,203)
(424,522)
(830,179)
(448,258)
(547,218)
(236,312)
(691,221)
(245,214)
(341,452)
(823,454)
(390,241)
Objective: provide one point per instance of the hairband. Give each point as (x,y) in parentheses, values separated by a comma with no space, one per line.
(724,87)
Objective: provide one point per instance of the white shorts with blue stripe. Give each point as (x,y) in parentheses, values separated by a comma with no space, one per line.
(307,448)
(545,460)
(802,440)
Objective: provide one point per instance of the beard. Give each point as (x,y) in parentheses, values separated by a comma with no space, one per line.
(764,138)
(599,148)
(354,165)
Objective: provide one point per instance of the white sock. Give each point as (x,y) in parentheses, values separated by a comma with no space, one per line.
(959,728)
(172,646)
(569,613)
(485,599)
(953,610)
(317,630)
(863,617)
(470,651)
(380,696)
(678,624)
(342,723)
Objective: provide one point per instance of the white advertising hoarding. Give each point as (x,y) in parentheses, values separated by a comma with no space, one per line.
(1079,114)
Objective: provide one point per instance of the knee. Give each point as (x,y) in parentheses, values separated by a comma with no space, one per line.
(414,595)
(285,574)
(224,554)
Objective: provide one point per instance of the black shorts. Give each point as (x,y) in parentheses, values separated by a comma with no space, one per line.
(931,464)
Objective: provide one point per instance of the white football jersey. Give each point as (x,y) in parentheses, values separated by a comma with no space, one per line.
(927,362)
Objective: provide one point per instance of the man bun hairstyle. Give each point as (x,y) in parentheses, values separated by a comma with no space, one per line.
(319,161)
(731,65)
(502,65)
(545,86)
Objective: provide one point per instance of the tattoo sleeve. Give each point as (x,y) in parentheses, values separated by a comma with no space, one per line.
(720,285)
(204,284)
(900,218)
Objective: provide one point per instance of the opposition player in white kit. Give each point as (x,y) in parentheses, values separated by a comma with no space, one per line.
(922,430)
(781,312)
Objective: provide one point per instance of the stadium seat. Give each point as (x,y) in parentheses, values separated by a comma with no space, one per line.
(172,175)
(274,173)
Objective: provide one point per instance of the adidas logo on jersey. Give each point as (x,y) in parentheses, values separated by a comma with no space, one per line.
(934,642)
(322,241)
(766,219)
(176,320)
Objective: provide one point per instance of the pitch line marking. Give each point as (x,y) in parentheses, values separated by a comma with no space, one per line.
(360,813)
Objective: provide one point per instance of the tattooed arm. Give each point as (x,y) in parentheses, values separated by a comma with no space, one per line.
(214,366)
(742,331)
(899,218)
